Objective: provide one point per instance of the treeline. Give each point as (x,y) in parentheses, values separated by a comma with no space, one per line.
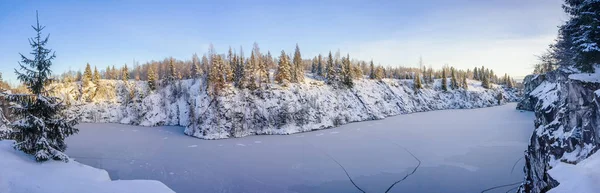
(578,41)
(259,70)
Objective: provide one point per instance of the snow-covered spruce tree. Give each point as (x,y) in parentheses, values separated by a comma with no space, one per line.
(151,79)
(172,76)
(485,81)
(298,75)
(372,73)
(418,84)
(453,80)
(195,67)
(250,72)
(444,80)
(583,27)
(282,75)
(330,69)
(125,74)
(87,75)
(320,70)
(96,78)
(40,125)
(347,72)
(465,85)
(379,73)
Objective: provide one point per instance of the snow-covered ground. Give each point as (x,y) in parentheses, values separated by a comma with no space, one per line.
(581,178)
(19,173)
(461,151)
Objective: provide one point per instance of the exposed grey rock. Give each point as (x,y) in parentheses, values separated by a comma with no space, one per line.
(567,125)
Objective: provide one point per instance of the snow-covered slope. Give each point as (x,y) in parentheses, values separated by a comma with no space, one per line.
(567,123)
(580,178)
(19,173)
(302,107)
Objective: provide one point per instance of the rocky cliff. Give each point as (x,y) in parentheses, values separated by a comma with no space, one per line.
(302,107)
(566,107)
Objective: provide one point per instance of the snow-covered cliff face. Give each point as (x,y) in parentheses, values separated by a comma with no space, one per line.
(567,123)
(274,110)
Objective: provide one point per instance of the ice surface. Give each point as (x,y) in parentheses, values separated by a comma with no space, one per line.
(19,173)
(461,151)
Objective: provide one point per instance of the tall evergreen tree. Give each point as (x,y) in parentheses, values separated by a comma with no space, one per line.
(379,73)
(320,70)
(40,125)
(465,85)
(125,73)
(313,65)
(151,79)
(444,80)
(347,72)
(298,75)
(453,80)
(372,73)
(583,30)
(331,74)
(283,69)
(417,80)
(195,71)
(172,76)
(87,75)
(97,77)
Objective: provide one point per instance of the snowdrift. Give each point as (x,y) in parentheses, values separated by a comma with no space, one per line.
(274,109)
(19,173)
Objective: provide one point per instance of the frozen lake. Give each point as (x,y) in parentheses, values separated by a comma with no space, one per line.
(460,150)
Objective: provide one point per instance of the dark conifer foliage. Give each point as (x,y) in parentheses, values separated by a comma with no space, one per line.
(40,125)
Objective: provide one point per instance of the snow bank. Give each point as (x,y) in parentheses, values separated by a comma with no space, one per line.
(580,178)
(587,77)
(307,106)
(19,173)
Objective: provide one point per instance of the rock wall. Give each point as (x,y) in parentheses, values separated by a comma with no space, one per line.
(302,107)
(567,123)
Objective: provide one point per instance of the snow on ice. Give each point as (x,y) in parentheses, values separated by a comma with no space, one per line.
(19,173)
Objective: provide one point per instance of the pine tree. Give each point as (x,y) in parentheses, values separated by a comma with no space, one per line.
(372,73)
(172,73)
(283,70)
(320,70)
(97,77)
(114,73)
(107,73)
(485,81)
(250,72)
(453,80)
(195,71)
(239,70)
(151,79)
(347,72)
(331,75)
(263,72)
(417,81)
(444,80)
(379,73)
(465,85)
(40,125)
(125,74)
(583,31)
(298,75)
(227,72)
(87,75)
(313,65)
(475,74)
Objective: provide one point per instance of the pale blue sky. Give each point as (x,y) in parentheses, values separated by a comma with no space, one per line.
(501,34)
